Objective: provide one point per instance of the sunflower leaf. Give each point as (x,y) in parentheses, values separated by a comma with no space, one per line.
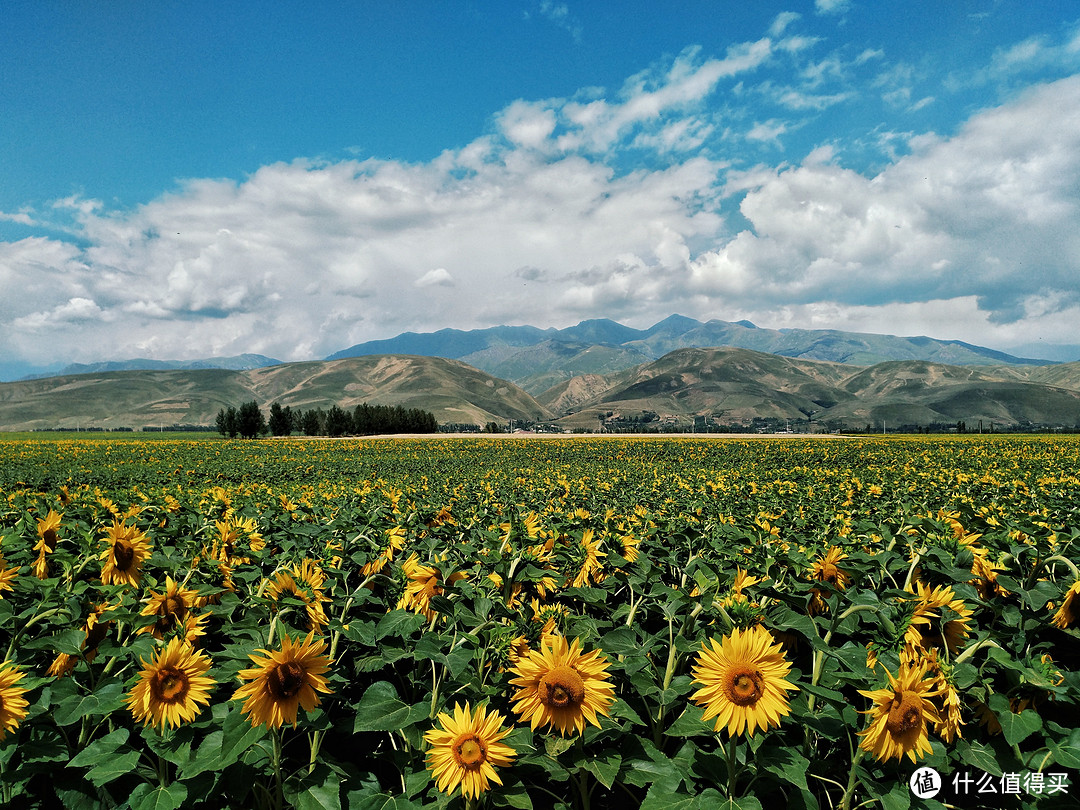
(100,749)
(160,797)
(604,765)
(113,767)
(380,709)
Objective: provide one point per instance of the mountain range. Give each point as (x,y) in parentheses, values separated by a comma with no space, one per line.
(678,370)
(722,385)
(537,359)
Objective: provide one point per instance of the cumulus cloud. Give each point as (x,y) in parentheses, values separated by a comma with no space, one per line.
(542,221)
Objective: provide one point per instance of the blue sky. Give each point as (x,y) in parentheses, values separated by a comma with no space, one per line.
(183,180)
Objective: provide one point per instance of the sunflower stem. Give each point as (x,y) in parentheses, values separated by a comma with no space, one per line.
(1067,562)
(733,773)
(279,794)
(849,791)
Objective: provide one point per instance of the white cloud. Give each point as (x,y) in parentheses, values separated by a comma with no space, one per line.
(440,276)
(832,6)
(540,221)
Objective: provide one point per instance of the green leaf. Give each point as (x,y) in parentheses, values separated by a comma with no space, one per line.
(167,797)
(978,755)
(101,749)
(380,801)
(604,765)
(399,622)
(785,763)
(323,796)
(105,700)
(381,710)
(1015,726)
(113,768)
(689,724)
(899,798)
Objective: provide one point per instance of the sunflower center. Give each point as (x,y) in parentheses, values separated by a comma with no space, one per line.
(173,608)
(169,685)
(50,539)
(285,680)
(123,554)
(905,713)
(561,687)
(745,687)
(469,751)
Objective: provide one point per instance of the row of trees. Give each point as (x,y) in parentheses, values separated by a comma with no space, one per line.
(247,421)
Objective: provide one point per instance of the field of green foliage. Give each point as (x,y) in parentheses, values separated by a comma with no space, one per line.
(560,623)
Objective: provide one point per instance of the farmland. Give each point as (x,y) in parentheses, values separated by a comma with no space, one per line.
(665,623)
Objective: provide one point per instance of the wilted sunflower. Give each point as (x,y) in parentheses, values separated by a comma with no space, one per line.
(283,681)
(467,749)
(171,686)
(12,703)
(562,687)
(744,681)
(900,714)
(1068,615)
(127,549)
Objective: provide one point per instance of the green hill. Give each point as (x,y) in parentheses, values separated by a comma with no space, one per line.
(453,391)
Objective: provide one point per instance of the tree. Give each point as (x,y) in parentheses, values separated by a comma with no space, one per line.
(338,422)
(250,421)
(227,422)
(281,422)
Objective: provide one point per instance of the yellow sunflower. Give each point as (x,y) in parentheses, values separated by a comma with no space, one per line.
(900,714)
(46,544)
(283,681)
(826,569)
(562,687)
(305,582)
(1068,615)
(171,686)
(7,576)
(170,608)
(743,680)
(127,549)
(13,704)
(926,629)
(423,583)
(466,750)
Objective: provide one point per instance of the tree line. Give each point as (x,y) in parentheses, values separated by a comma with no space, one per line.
(248,422)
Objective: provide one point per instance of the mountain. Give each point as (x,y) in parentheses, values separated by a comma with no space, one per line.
(240,362)
(731,385)
(537,358)
(453,391)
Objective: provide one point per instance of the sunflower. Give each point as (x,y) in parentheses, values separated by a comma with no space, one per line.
(12,703)
(304,582)
(46,544)
(900,714)
(282,681)
(171,686)
(826,569)
(562,687)
(466,750)
(7,576)
(423,583)
(744,680)
(925,628)
(170,608)
(589,553)
(127,549)
(1068,615)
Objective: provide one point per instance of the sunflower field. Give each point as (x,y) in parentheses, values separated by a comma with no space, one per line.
(540,623)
